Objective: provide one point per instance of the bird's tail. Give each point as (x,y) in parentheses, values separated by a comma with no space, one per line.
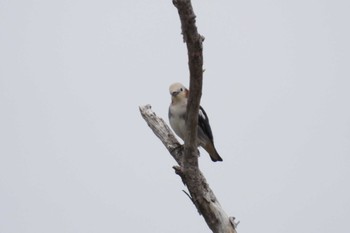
(214,155)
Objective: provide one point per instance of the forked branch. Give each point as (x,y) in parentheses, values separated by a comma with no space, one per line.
(187,157)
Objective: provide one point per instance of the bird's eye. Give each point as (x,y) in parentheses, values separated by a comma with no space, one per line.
(181,89)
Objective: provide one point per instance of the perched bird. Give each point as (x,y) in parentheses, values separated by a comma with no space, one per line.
(177,115)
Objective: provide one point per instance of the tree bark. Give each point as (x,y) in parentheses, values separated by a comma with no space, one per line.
(195,63)
(187,156)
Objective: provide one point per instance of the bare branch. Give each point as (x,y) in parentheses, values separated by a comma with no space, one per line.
(163,132)
(195,62)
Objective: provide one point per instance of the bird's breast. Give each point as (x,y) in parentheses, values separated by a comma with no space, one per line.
(177,120)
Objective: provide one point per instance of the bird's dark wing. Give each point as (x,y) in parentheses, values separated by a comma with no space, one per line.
(203,122)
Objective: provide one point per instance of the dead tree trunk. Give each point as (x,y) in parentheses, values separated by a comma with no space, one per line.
(187,156)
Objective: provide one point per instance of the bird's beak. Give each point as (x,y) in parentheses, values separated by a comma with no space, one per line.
(175,93)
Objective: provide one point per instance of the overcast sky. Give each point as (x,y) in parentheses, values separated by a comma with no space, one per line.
(76,156)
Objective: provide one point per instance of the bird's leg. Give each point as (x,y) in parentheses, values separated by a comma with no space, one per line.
(179,149)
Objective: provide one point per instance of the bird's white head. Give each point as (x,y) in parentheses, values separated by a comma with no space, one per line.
(178,91)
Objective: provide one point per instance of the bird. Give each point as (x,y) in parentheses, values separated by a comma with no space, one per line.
(177,115)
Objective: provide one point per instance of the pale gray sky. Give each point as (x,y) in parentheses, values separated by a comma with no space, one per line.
(76,156)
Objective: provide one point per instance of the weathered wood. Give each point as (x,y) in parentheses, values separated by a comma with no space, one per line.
(163,132)
(201,194)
